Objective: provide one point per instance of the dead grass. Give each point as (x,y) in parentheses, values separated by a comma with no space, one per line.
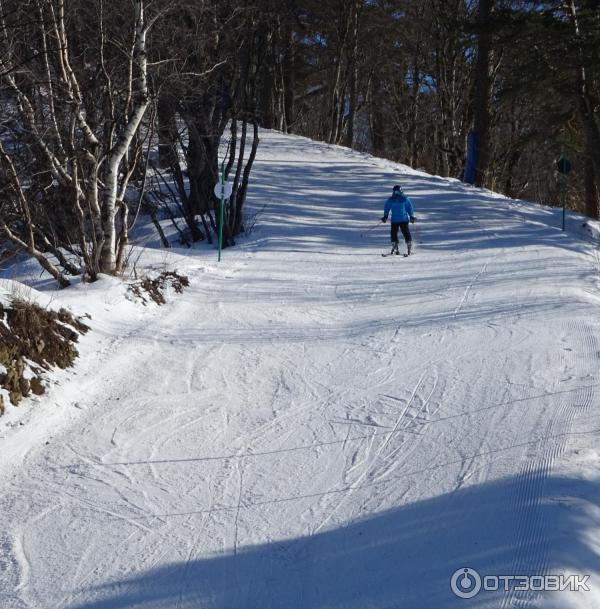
(147,289)
(33,340)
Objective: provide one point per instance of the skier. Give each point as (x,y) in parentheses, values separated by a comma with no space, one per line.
(402,213)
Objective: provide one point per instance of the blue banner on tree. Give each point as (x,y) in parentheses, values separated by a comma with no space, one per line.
(471,164)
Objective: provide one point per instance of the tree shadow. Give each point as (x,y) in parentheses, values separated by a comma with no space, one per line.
(331,204)
(402,558)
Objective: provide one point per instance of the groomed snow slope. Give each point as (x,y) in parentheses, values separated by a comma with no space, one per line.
(313,426)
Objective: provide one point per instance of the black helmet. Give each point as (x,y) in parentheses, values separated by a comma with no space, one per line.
(397,188)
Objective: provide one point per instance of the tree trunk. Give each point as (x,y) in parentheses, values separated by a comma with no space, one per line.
(353,75)
(108,261)
(289,84)
(592,204)
(482,88)
(241,194)
(585,107)
(167,132)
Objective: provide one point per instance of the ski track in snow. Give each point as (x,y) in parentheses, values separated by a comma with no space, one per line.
(308,426)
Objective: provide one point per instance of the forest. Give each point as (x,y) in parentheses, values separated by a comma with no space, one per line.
(113,109)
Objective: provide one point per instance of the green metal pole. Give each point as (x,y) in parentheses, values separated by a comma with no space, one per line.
(221,213)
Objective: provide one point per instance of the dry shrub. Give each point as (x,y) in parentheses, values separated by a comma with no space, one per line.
(35,339)
(154,289)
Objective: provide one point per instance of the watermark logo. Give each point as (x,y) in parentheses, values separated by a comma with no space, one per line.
(468,583)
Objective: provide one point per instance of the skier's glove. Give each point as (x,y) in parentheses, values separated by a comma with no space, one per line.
(412,219)
(384,219)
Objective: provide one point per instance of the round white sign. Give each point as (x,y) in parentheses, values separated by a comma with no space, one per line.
(227,190)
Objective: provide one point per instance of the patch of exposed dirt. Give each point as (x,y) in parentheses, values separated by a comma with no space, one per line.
(34,340)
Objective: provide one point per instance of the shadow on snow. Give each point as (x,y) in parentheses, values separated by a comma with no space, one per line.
(403,558)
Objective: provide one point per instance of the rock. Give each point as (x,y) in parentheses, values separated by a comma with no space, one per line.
(11,380)
(36,386)
(24,387)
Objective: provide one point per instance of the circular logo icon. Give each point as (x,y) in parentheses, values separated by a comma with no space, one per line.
(466,583)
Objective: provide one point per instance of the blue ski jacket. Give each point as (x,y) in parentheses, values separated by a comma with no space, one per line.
(400,206)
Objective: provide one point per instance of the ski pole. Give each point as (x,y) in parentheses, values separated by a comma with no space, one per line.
(417,234)
(370,229)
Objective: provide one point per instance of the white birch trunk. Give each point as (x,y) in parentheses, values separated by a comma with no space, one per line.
(113,162)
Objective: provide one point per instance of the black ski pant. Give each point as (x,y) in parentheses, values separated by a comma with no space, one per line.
(403,226)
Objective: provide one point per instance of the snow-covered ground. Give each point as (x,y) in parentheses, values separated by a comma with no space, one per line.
(313,426)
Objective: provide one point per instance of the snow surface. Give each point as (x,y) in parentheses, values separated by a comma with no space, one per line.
(312,426)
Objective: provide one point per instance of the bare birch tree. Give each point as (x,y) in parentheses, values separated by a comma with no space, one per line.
(74,82)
